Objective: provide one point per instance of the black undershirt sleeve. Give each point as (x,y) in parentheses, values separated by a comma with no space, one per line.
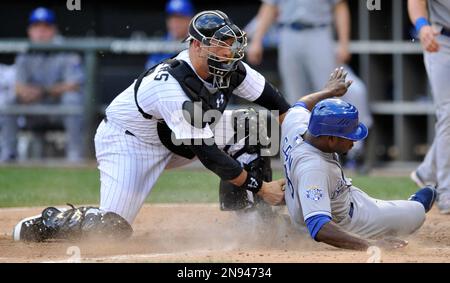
(217,161)
(272,99)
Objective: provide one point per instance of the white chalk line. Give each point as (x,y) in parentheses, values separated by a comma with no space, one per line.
(123,257)
(156,205)
(135,257)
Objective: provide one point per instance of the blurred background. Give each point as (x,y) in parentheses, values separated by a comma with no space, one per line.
(105,45)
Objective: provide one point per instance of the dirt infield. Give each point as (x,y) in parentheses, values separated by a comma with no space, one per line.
(203,233)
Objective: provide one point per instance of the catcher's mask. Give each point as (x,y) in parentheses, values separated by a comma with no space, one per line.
(214,29)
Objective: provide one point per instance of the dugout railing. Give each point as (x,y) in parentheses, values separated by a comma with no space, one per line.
(396,109)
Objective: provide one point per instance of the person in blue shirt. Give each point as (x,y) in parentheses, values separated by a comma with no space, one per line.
(179,14)
(47,78)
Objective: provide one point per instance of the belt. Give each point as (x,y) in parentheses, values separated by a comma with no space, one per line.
(301,26)
(126,131)
(445,31)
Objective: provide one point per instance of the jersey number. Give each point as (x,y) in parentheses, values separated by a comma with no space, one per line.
(160,76)
(287,165)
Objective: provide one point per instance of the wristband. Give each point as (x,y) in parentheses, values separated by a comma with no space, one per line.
(253,183)
(420,23)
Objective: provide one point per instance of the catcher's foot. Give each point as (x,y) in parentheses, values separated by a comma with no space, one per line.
(33,229)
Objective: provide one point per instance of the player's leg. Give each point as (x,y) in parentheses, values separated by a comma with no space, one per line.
(72,224)
(128,170)
(425,173)
(357,95)
(177,161)
(294,77)
(373,218)
(438,68)
(8,138)
(73,125)
(320,56)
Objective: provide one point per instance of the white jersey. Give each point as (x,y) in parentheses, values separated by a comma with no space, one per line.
(129,152)
(316,185)
(163,99)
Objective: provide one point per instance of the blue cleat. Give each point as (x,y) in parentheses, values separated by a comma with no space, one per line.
(426,196)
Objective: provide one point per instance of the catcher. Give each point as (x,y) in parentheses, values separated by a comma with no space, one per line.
(163,120)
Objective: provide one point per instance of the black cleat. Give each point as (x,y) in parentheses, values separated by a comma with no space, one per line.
(33,229)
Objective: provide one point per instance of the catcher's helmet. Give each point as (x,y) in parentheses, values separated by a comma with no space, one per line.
(335,117)
(214,29)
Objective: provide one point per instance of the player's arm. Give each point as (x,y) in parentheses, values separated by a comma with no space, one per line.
(230,170)
(60,88)
(313,192)
(27,93)
(272,99)
(418,14)
(266,16)
(252,86)
(336,87)
(72,77)
(331,234)
(342,23)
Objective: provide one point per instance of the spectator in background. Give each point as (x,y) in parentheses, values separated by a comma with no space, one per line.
(432,23)
(307,53)
(7,96)
(179,14)
(49,78)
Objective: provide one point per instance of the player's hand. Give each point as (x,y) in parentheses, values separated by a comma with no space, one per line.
(273,192)
(427,37)
(337,84)
(343,54)
(391,243)
(255,52)
(56,90)
(30,94)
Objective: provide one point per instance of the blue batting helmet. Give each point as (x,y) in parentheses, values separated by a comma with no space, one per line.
(42,14)
(335,117)
(180,7)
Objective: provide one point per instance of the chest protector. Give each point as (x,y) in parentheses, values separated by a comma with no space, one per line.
(196,91)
